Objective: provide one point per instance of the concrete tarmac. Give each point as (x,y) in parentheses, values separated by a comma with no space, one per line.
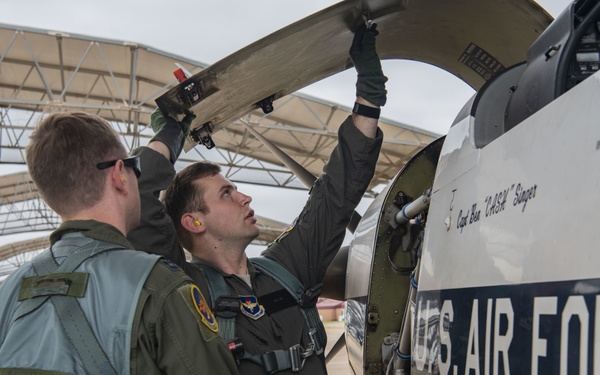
(338,365)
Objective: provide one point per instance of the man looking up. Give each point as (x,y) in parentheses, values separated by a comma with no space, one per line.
(90,304)
(215,222)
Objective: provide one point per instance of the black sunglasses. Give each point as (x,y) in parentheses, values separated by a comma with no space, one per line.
(133,162)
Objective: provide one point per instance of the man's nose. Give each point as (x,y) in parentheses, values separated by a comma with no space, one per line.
(244,199)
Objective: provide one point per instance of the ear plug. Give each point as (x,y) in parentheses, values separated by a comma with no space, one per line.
(197,223)
(123,179)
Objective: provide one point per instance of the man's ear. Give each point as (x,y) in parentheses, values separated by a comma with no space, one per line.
(192,224)
(118,177)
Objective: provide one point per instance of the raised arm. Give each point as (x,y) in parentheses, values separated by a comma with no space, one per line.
(370,81)
(308,248)
(156,233)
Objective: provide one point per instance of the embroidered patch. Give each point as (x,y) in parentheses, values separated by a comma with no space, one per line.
(286,231)
(207,316)
(170,264)
(251,308)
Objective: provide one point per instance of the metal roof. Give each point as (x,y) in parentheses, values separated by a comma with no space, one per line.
(42,71)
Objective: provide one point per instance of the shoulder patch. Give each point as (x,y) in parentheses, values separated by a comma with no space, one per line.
(286,231)
(205,314)
(170,264)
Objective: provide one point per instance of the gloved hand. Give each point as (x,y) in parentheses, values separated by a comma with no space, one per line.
(170,132)
(370,83)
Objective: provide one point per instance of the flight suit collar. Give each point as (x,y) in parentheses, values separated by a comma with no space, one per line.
(251,270)
(93,229)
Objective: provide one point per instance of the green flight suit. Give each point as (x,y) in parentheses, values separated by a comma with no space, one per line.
(170,332)
(306,249)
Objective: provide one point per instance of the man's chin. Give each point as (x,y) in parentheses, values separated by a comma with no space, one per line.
(253,235)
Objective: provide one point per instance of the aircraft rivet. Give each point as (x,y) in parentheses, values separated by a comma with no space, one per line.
(448,222)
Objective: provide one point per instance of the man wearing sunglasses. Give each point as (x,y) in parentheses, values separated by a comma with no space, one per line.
(91,304)
(132,162)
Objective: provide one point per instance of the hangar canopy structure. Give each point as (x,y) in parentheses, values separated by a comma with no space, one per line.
(43,71)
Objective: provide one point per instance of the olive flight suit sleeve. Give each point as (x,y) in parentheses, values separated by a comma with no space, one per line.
(309,246)
(174,332)
(156,233)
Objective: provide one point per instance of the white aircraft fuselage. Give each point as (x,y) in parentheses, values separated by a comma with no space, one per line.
(509,271)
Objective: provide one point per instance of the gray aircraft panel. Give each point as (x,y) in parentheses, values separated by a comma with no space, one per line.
(472,39)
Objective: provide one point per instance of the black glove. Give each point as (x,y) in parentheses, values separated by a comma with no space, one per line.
(171,132)
(370,84)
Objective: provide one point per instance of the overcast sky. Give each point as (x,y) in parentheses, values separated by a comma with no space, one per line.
(207,31)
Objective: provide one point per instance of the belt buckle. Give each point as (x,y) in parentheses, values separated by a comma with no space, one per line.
(314,342)
(296,357)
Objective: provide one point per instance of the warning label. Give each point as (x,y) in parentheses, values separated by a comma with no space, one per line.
(481,61)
